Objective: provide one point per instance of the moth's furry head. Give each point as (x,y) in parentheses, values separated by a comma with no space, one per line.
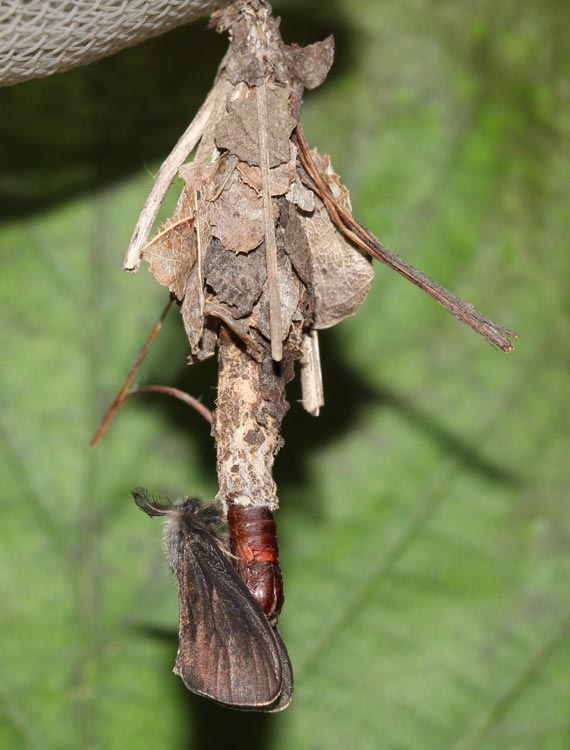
(184,518)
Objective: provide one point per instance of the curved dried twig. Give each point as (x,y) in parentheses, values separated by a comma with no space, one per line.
(354,231)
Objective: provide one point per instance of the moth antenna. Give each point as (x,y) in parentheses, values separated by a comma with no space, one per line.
(152,504)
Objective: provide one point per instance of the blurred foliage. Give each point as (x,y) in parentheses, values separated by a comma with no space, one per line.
(425,523)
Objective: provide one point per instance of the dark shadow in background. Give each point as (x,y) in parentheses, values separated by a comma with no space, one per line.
(214,726)
(74,132)
(211,725)
(347,396)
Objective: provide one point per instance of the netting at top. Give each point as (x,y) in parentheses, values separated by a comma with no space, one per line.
(40,37)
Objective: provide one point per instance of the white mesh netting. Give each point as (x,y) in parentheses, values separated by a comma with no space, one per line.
(40,37)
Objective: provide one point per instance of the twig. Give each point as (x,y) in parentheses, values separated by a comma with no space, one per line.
(168,390)
(199,255)
(123,390)
(359,235)
(275,326)
(311,374)
(250,405)
(166,174)
(238,327)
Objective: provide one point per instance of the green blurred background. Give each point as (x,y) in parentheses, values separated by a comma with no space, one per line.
(424,523)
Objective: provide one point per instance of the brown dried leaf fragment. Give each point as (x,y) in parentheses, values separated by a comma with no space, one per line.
(301,196)
(281,177)
(192,316)
(208,342)
(311,64)
(237,280)
(238,132)
(289,296)
(209,179)
(239,328)
(341,274)
(198,175)
(236,217)
(294,344)
(293,240)
(171,253)
(241,63)
(339,192)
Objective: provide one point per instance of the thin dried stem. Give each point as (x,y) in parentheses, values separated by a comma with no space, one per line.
(198,406)
(270,241)
(122,394)
(240,329)
(363,238)
(199,254)
(166,174)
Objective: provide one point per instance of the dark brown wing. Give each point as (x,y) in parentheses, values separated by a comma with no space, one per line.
(227,649)
(286,694)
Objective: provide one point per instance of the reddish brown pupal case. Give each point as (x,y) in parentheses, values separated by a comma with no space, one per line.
(253,542)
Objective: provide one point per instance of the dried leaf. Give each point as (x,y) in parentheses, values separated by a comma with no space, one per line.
(301,196)
(289,297)
(311,64)
(209,179)
(192,315)
(172,252)
(197,174)
(281,177)
(341,274)
(237,280)
(208,342)
(240,64)
(238,130)
(240,328)
(339,191)
(294,241)
(236,217)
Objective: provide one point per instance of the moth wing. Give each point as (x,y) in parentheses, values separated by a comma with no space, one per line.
(286,694)
(227,649)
